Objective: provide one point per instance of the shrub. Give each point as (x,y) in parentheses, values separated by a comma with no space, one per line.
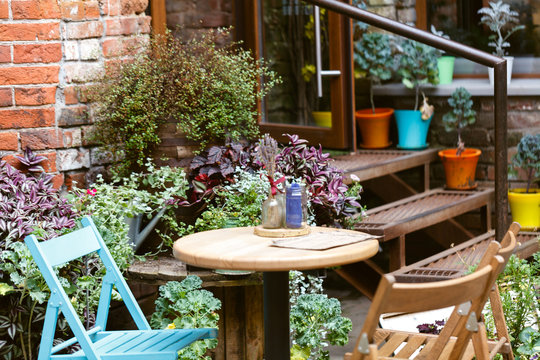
(210,92)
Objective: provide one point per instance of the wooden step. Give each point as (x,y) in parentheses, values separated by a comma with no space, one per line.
(370,164)
(456,261)
(395,220)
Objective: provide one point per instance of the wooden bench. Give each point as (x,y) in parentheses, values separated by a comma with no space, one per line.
(395,220)
(456,261)
(241,318)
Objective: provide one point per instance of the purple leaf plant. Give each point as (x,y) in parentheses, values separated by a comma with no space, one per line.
(29,203)
(328,194)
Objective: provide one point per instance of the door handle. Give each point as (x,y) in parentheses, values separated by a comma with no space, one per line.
(318,57)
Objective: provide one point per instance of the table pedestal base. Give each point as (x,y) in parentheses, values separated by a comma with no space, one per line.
(276,315)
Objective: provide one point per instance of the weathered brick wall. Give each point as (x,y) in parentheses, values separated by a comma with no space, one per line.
(194,15)
(49,51)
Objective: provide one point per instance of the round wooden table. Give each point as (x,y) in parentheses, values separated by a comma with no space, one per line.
(241,249)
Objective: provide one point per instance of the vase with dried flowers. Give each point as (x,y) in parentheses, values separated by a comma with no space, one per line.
(272,208)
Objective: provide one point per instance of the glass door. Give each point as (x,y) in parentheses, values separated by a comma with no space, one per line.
(310,49)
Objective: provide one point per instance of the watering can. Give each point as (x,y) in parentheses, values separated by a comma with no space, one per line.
(136,235)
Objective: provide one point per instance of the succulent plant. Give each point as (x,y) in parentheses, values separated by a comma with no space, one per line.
(527,158)
(502,21)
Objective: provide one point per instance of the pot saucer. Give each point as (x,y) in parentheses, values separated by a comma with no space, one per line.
(376,147)
(413,148)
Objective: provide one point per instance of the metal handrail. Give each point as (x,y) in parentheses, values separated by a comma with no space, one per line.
(470,53)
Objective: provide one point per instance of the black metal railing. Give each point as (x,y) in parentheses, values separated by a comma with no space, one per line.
(475,55)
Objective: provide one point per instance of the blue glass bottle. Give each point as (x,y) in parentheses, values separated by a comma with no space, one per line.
(294,215)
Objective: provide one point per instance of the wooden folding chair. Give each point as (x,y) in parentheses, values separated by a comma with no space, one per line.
(468,294)
(97,343)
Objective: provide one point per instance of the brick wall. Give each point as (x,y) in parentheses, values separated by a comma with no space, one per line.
(49,51)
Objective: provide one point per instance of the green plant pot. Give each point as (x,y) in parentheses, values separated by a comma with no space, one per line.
(445,64)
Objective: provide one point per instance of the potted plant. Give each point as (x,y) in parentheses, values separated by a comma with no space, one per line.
(460,163)
(373,55)
(502,21)
(445,62)
(418,66)
(525,202)
(209,92)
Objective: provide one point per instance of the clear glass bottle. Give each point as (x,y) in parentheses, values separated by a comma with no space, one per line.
(272,213)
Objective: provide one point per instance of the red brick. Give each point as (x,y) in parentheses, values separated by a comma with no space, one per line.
(128,25)
(84,30)
(26,118)
(29,75)
(91,10)
(5,53)
(12,160)
(75,180)
(9,141)
(57,181)
(37,53)
(5,97)
(49,165)
(71,137)
(35,96)
(30,31)
(71,95)
(112,7)
(35,9)
(4,9)
(80,10)
(39,139)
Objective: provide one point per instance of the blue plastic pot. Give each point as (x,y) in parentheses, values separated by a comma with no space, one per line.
(412,130)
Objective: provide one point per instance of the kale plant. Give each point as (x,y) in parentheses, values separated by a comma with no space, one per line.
(316,321)
(461,115)
(527,158)
(502,21)
(184,305)
(530,338)
(332,200)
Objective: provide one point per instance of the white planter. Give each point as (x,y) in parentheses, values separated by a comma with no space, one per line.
(509,64)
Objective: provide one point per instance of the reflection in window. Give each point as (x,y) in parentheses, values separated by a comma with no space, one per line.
(460,20)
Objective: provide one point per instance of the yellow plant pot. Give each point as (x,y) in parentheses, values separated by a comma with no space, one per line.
(322,118)
(525,207)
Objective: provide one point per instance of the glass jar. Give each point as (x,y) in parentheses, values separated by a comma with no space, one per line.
(272,212)
(296,209)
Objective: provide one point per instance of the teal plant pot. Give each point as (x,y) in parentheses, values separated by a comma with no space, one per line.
(446,69)
(412,130)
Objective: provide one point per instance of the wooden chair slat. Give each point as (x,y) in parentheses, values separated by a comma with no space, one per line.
(413,344)
(394,341)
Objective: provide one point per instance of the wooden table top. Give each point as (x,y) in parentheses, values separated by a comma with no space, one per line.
(241,249)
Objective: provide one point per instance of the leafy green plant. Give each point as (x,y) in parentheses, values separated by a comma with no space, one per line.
(461,115)
(184,305)
(210,91)
(518,286)
(374,56)
(417,66)
(316,321)
(502,21)
(527,158)
(530,338)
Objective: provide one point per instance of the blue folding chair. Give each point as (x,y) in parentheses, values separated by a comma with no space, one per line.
(97,343)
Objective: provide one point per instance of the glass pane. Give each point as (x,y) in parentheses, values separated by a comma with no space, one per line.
(289,47)
(460,20)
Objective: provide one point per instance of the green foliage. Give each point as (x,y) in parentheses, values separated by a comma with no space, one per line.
(527,158)
(530,338)
(518,286)
(461,115)
(239,199)
(374,55)
(184,305)
(316,321)
(502,21)
(418,66)
(210,92)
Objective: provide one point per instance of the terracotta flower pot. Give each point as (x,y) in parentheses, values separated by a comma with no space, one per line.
(525,207)
(374,127)
(460,170)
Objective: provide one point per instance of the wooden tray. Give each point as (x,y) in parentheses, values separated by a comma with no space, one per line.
(282,232)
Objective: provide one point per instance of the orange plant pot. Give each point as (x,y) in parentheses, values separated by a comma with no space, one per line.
(374,127)
(460,170)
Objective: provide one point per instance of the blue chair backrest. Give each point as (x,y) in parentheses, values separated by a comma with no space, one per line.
(74,245)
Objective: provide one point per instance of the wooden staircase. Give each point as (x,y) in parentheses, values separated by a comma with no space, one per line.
(406,210)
